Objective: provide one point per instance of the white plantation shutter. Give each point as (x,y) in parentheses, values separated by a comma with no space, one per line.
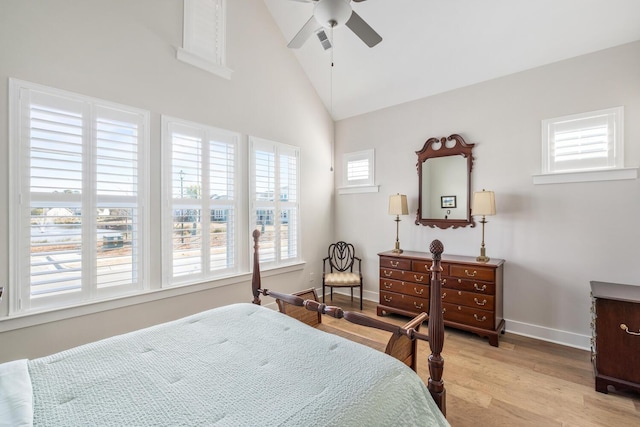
(275,195)
(79,197)
(204,34)
(358,168)
(199,219)
(588,141)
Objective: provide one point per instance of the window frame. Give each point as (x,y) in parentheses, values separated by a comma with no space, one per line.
(88,199)
(363,185)
(208,133)
(278,204)
(193,51)
(585,168)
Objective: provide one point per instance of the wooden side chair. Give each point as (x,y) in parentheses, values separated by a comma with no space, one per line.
(338,269)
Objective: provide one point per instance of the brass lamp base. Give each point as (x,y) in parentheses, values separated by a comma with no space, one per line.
(483,257)
(397,249)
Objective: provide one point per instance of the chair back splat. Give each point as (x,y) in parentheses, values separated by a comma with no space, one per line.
(338,269)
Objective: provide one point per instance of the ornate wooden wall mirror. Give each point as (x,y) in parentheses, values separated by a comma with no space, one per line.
(444,182)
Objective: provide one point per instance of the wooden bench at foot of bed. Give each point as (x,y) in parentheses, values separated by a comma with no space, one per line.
(402,344)
(398,346)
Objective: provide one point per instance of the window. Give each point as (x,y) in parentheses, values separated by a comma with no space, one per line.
(584,147)
(204,32)
(358,172)
(78,191)
(199,202)
(275,200)
(583,141)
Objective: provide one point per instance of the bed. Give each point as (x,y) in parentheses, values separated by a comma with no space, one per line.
(237,365)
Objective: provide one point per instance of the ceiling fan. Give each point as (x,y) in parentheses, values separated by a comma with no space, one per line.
(331,14)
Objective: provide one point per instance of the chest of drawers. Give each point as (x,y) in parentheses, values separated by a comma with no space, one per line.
(471,291)
(616,343)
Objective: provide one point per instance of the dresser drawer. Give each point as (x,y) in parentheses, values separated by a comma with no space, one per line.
(407,288)
(468,316)
(469,299)
(391,273)
(408,276)
(472,272)
(617,348)
(397,263)
(425,266)
(488,288)
(404,302)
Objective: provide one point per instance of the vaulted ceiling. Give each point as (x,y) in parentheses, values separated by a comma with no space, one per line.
(433,46)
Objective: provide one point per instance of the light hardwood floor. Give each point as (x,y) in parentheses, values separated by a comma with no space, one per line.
(524,382)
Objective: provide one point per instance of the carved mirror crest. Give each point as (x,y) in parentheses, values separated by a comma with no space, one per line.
(444,182)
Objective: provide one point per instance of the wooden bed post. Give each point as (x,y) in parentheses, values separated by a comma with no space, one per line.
(255,280)
(436,329)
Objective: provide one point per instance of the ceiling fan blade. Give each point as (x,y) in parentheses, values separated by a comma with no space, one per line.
(363,30)
(305,32)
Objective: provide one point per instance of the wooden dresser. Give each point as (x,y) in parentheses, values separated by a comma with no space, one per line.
(615,346)
(471,291)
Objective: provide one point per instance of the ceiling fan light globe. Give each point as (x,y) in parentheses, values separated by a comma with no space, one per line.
(332,13)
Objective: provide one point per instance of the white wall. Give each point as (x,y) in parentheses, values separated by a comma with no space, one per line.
(554,238)
(125,51)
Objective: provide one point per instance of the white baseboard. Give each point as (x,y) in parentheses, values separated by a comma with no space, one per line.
(570,339)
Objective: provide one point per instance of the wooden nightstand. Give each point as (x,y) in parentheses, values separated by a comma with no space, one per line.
(615,346)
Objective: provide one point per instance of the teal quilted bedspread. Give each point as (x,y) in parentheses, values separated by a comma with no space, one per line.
(238,365)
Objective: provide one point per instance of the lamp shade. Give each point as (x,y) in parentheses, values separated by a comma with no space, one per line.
(398,205)
(484,203)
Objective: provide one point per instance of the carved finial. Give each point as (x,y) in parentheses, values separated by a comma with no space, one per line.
(436,248)
(256,234)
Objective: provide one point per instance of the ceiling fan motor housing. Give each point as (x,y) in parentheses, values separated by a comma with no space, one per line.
(332,13)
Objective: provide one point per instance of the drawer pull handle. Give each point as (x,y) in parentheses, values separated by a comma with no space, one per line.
(484,301)
(419,292)
(626,329)
(394,264)
(478,288)
(470,274)
(388,285)
(444,281)
(415,277)
(387,299)
(388,273)
(419,307)
(482,319)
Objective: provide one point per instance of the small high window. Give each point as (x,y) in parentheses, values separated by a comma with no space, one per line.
(204,36)
(584,147)
(358,172)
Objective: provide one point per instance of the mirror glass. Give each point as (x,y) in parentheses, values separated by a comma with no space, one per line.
(444,172)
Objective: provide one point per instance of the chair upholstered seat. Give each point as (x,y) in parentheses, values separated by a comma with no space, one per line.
(341,279)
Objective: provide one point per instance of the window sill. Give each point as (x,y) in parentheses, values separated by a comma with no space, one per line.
(359,189)
(202,63)
(33,319)
(586,176)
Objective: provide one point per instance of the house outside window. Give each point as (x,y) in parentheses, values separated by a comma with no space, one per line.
(200,205)
(79,228)
(275,204)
